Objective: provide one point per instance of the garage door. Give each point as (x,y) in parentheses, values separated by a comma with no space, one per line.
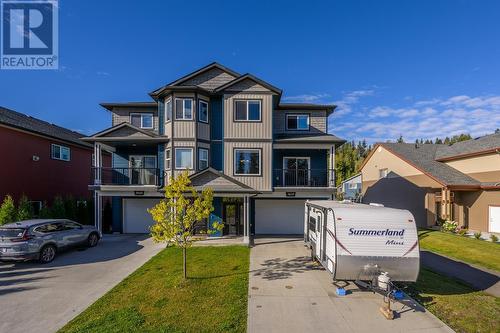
(136,219)
(279,217)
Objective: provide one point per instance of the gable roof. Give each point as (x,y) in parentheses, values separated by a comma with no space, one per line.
(218,181)
(478,146)
(422,157)
(30,124)
(213,65)
(249,77)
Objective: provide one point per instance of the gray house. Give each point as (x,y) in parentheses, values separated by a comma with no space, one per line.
(263,158)
(351,187)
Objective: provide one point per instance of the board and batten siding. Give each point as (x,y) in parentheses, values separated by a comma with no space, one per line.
(317,121)
(122,115)
(262,182)
(262,129)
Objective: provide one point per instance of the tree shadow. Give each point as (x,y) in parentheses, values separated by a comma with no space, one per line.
(279,268)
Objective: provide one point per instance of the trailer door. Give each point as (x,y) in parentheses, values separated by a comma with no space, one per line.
(320,232)
(330,245)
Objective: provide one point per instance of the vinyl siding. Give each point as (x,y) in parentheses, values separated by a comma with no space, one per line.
(262,182)
(203,131)
(122,115)
(247,86)
(248,130)
(317,121)
(210,79)
(184,129)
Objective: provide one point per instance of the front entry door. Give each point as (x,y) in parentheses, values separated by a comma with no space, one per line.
(296,171)
(233,218)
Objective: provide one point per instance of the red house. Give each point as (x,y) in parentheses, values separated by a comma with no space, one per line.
(42,160)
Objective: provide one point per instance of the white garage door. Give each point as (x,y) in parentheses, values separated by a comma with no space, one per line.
(136,219)
(279,217)
(494,212)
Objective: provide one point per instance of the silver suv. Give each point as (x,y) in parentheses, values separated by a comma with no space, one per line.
(42,239)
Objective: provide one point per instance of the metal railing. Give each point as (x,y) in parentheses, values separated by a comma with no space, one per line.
(303,178)
(126,176)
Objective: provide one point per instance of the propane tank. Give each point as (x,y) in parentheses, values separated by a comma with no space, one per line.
(383,281)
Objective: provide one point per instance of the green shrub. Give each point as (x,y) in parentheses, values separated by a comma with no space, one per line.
(7,210)
(45,212)
(58,211)
(70,208)
(462,232)
(494,238)
(24,209)
(449,226)
(477,235)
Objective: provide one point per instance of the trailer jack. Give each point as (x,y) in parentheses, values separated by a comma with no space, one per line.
(386,309)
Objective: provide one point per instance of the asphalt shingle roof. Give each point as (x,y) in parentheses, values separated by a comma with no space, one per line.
(30,124)
(487,142)
(423,156)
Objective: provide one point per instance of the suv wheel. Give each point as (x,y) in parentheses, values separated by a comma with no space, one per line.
(47,254)
(93,239)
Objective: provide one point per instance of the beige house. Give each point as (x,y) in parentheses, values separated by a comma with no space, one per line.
(460,182)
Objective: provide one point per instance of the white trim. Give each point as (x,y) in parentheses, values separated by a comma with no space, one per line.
(247,174)
(247,113)
(297,115)
(199,110)
(183,148)
(60,152)
(142,119)
(184,108)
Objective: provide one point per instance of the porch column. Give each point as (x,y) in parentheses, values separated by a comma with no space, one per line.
(246,220)
(97,163)
(331,171)
(97,211)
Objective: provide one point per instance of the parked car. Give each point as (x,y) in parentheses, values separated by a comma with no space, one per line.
(42,239)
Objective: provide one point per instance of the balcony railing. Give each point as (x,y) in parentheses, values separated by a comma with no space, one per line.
(303,178)
(126,176)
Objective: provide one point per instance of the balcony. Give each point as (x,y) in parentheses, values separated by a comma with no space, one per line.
(303,178)
(127,176)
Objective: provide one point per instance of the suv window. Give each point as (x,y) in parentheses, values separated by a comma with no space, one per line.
(71,225)
(11,232)
(49,227)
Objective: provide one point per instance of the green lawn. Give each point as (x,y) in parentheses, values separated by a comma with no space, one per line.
(455,303)
(473,251)
(156,299)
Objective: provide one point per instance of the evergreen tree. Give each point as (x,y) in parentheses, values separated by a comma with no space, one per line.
(58,210)
(24,209)
(400,139)
(45,211)
(7,210)
(70,208)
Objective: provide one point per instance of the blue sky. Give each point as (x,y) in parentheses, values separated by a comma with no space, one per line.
(420,69)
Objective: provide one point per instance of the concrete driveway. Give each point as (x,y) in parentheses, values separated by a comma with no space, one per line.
(43,298)
(289,294)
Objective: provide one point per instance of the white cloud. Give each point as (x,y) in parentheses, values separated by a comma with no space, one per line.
(426,119)
(308,98)
(101,73)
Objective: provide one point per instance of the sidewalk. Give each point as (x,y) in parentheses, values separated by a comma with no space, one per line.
(480,278)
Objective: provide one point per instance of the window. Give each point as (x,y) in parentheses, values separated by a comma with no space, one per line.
(69,225)
(352,186)
(247,162)
(297,122)
(183,158)
(142,120)
(184,109)
(168,159)
(49,227)
(168,110)
(202,158)
(382,173)
(203,112)
(312,224)
(61,153)
(248,110)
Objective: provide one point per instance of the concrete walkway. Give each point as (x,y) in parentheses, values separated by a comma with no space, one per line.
(478,277)
(289,294)
(43,298)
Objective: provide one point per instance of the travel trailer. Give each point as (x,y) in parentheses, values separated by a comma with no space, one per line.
(358,242)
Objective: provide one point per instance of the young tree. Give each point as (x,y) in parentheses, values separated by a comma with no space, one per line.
(24,209)
(176,215)
(7,210)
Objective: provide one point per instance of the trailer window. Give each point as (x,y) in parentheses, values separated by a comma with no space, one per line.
(312,224)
